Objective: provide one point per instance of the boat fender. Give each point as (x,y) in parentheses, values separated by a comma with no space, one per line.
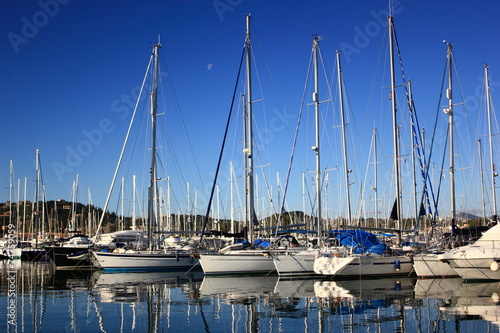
(398,285)
(191,259)
(176,255)
(397,264)
(494,266)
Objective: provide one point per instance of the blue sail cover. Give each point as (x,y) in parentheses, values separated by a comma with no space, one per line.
(261,243)
(361,241)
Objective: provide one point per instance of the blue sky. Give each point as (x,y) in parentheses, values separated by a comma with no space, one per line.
(69,69)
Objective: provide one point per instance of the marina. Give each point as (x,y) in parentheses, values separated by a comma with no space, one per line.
(249,192)
(48,300)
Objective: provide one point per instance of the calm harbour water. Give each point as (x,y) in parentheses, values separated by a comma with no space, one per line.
(46,300)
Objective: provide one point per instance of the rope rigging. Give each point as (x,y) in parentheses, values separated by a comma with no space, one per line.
(416,132)
(294,145)
(209,205)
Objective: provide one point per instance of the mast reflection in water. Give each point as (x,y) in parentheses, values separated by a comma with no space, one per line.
(46,300)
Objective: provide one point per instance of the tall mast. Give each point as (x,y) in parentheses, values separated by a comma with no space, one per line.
(304,198)
(122,212)
(245,162)
(74,203)
(413,171)
(89,213)
(57,227)
(278,185)
(187,225)
(37,195)
(449,112)
(11,185)
(231,181)
(217,191)
(344,143)
(395,131)
(71,224)
(493,172)
(249,142)
(480,155)
(316,116)
(24,207)
(170,222)
(133,227)
(193,226)
(375,184)
(43,212)
(18,216)
(152,195)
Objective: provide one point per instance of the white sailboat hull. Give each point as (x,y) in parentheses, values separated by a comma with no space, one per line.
(237,262)
(145,260)
(478,261)
(331,265)
(363,265)
(295,263)
(429,266)
(475,262)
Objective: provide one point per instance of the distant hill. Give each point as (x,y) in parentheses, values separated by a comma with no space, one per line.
(467,216)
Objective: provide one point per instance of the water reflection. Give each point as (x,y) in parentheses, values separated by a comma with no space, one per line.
(136,287)
(237,289)
(50,300)
(475,301)
(437,288)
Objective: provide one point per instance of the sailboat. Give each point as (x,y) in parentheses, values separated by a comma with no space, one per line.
(297,263)
(154,257)
(36,252)
(384,262)
(72,252)
(132,239)
(428,264)
(480,260)
(9,248)
(236,259)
